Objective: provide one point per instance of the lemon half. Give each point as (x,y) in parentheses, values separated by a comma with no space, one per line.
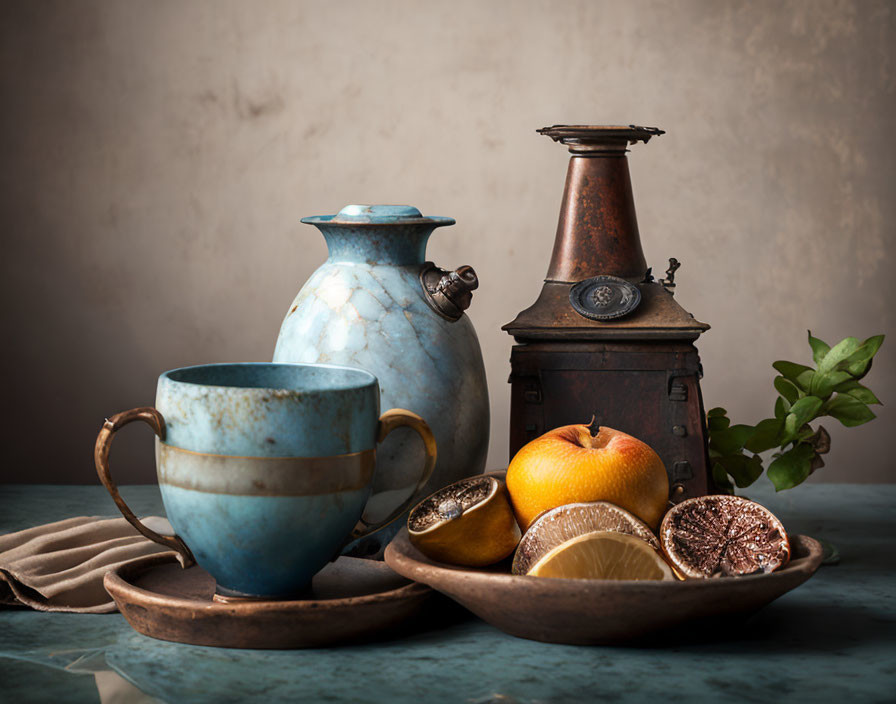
(467,523)
(603,555)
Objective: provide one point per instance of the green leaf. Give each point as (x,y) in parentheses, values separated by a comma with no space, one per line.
(801,412)
(787,389)
(858,370)
(747,471)
(805,409)
(804,380)
(874,342)
(788,435)
(717,423)
(765,435)
(819,348)
(838,353)
(754,469)
(720,479)
(859,362)
(782,407)
(791,370)
(799,374)
(857,391)
(823,384)
(730,440)
(848,410)
(717,411)
(867,349)
(792,467)
(744,470)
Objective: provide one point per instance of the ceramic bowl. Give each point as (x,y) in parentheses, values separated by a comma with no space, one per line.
(591,611)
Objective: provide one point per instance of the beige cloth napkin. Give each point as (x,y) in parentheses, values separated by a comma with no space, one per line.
(60,566)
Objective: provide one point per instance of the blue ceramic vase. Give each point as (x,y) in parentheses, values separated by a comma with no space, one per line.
(377,304)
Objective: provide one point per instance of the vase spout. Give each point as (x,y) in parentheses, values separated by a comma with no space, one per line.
(449,293)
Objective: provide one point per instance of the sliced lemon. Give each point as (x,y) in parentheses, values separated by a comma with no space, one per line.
(603,555)
(562,524)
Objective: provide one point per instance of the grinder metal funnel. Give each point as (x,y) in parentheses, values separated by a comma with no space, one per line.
(598,229)
(604,339)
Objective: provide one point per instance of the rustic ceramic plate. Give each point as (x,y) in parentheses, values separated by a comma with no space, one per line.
(586,611)
(350,599)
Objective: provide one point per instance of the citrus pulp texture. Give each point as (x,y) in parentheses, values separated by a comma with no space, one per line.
(718,536)
(466,523)
(603,555)
(557,526)
(569,465)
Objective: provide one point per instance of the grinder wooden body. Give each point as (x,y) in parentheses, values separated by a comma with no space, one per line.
(604,340)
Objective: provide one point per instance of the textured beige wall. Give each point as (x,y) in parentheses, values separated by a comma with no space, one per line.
(157,157)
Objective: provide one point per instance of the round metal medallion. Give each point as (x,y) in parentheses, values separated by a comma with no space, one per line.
(604,297)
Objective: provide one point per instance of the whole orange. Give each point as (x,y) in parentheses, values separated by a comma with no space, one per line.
(570,465)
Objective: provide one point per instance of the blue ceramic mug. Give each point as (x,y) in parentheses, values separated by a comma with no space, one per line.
(264,469)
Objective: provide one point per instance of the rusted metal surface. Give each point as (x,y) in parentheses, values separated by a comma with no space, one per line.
(604,297)
(634,370)
(669,282)
(597,235)
(448,293)
(657,317)
(599,138)
(647,390)
(597,232)
(348,600)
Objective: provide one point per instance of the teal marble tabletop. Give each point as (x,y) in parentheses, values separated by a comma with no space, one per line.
(832,639)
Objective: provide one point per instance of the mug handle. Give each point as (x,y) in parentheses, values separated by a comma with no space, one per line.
(389,421)
(156,421)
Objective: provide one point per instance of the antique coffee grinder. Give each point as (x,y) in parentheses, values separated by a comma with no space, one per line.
(604,339)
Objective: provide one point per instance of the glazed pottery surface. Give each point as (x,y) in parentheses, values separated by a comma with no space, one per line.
(241,472)
(366,307)
(264,469)
(595,611)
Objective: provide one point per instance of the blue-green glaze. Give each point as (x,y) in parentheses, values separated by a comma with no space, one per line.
(253,542)
(269,410)
(365,307)
(263,545)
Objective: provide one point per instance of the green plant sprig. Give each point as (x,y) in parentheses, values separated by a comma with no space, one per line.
(805,393)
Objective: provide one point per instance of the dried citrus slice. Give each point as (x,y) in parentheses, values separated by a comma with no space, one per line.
(556,526)
(603,555)
(468,523)
(712,536)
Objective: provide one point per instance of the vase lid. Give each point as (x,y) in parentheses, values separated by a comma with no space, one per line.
(378,215)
